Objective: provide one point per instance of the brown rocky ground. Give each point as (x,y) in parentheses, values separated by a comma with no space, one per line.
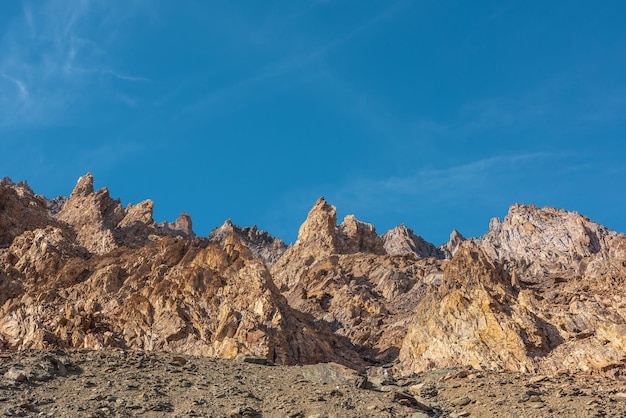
(119,383)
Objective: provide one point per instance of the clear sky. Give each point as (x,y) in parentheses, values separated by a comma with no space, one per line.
(436,114)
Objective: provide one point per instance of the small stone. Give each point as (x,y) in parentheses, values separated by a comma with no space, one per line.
(408,400)
(360,382)
(15,374)
(456,375)
(459,414)
(25,405)
(378,382)
(253,359)
(535,398)
(427,390)
(536,379)
(179,361)
(620,396)
(461,401)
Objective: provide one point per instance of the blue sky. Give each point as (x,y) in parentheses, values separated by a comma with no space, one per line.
(436,114)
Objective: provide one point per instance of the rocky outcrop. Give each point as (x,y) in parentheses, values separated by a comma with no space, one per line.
(181,227)
(319,237)
(455,241)
(89,279)
(20,210)
(538,243)
(92,216)
(101,224)
(366,298)
(542,293)
(172,295)
(359,237)
(343,277)
(402,241)
(261,243)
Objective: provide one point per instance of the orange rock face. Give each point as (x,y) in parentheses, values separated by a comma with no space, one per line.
(542,291)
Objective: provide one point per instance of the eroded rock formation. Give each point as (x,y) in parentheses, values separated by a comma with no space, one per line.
(542,291)
(343,277)
(402,241)
(261,243)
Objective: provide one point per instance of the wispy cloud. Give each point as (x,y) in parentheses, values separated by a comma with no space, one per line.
(21,87)
(51,57)
(476,178)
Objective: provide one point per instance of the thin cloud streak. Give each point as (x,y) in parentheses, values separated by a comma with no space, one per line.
(60,49)
(441,184)
(23,91)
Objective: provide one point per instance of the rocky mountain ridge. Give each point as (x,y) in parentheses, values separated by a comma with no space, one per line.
(541,291)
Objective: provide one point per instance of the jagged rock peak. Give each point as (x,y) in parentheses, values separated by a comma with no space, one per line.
(20,210)
(182,226)
(55,205)
(139,213)
(450,248)
(84,186)
(262,245)
(402,240)
(101,223)
(183,223)
(359,237)
(319,237)
(320,226)
(320,231)
(540,240)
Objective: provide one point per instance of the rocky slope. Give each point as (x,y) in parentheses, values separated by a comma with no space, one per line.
(120,383)
(542,291)
(98,275)
(343,276)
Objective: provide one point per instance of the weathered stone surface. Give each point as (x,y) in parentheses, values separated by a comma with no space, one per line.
(403,241)
(342,276)
(542,291)
(449,249)
(20,210)
(538,293)
(261,243)
(538,243)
